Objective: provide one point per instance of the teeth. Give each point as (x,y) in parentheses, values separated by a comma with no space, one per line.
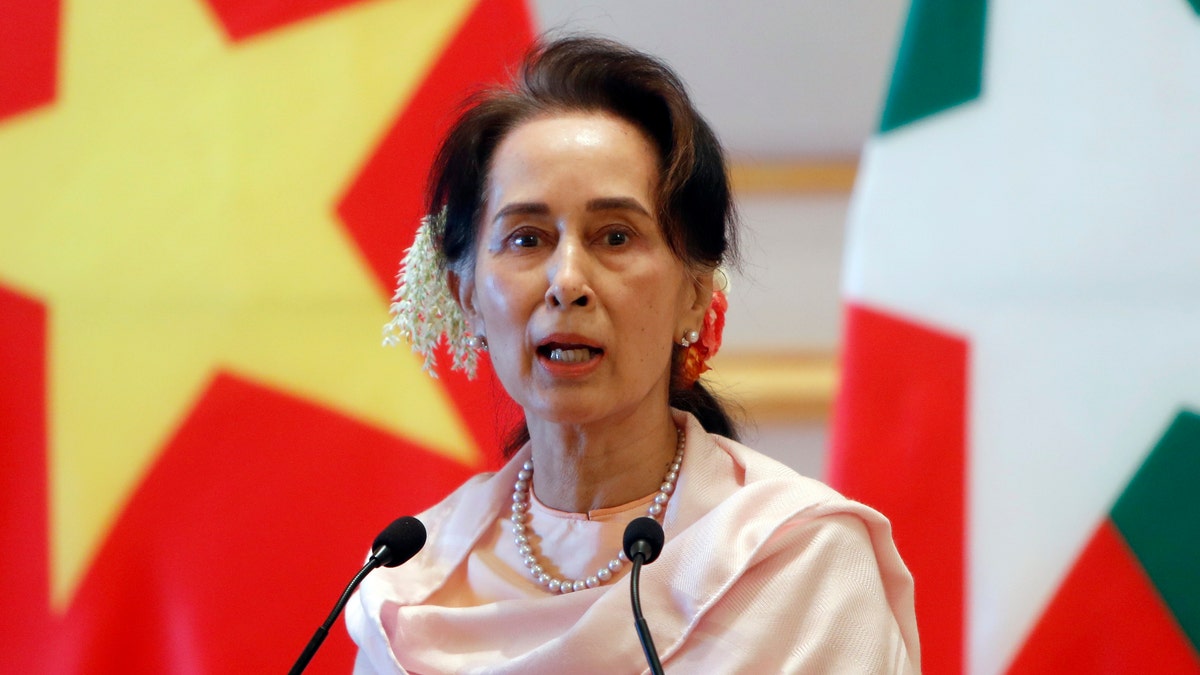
(570,355)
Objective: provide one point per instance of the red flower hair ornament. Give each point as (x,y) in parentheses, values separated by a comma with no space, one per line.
(697,354)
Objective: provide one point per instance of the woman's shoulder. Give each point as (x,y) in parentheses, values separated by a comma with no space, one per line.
(472,488)
(759,467)
(731,469)
(757,524)
(452,526)
(741,492)
(471,506)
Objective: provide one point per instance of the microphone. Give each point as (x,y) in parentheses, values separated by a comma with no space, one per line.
(394,546)
(397,543)
(643,542)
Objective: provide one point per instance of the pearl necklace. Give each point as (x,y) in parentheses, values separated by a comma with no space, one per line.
(522,533)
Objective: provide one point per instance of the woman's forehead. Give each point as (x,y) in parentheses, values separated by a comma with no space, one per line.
(574,132)
(589,155)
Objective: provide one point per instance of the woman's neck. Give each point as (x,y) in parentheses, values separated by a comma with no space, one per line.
(580,468)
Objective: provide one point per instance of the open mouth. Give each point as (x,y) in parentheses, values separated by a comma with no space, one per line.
(568,353)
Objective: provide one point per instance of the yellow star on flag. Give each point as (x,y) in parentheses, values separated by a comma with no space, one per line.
(174,209)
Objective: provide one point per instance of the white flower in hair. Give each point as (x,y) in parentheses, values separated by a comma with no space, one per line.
(423,310)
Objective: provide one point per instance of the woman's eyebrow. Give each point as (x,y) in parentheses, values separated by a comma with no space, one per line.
(598,204)
(522,209)
(616,204)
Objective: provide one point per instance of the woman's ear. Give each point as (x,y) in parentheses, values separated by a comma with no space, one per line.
(702,286)
(463,291)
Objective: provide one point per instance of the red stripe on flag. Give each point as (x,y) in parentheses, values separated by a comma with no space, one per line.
(28,54)
(1106,618)
(899,445)
(242,535)
(24,523)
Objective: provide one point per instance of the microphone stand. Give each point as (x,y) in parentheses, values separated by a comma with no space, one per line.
(319,636)
(394,546)
(639,621)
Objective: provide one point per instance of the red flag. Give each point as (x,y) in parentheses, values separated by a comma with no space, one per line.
(204,204)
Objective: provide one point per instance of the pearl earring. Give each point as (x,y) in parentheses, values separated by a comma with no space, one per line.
(478,342)
(690,338)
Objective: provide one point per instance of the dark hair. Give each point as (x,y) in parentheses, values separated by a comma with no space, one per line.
(588,74)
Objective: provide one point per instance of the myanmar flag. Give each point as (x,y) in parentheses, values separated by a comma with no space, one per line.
(1021,367)
(202,208)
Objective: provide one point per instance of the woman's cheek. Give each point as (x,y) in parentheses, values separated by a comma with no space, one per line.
(499,293)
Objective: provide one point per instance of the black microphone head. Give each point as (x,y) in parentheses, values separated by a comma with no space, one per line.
(399,541)
(644,537)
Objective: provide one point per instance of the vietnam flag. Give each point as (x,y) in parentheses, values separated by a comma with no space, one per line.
(202,207)
(1021,367)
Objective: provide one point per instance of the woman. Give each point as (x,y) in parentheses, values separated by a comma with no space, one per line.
(581,217)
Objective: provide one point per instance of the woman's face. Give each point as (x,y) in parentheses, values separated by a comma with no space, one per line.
(574,286)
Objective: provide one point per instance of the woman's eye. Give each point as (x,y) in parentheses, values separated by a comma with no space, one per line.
(526,240)
(616,238)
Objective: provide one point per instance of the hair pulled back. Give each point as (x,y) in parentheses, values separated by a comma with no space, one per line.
(589,74)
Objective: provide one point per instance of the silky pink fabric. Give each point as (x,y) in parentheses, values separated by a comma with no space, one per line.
(763,571)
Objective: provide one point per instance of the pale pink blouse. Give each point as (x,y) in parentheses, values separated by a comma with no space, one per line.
(763,571)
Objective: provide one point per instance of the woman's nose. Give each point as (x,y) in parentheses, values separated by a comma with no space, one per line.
(568,277)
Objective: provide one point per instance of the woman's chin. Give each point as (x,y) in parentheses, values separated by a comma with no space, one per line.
(567,413)
(572,408)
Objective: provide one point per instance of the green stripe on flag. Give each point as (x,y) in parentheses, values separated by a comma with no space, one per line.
(1159,516)
(940,61)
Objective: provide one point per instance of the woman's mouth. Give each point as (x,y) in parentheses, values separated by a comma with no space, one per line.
(568,353)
